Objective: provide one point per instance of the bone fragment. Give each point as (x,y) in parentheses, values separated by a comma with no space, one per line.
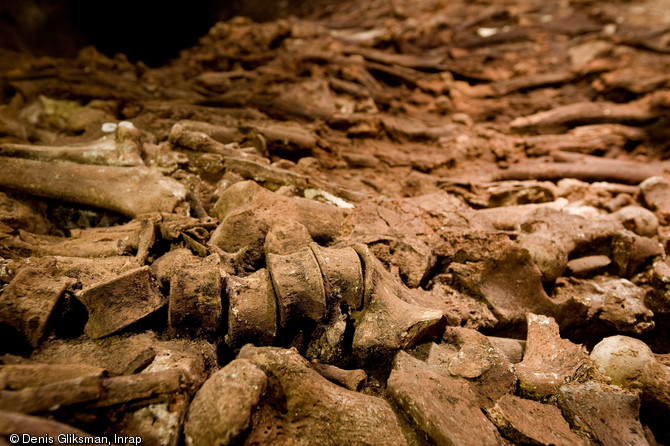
(129,190)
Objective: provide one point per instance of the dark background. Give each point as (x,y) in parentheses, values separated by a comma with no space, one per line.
(149,30)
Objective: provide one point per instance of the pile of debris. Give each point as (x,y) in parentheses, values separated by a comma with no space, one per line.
(401,222)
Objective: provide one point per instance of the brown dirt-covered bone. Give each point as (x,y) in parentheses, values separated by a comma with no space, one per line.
(95,352)
(530,422)
(631,172)
(90,242)
(126,388)
(89,271)
(121,149)
(283,136)
(128,190)
(656,194)
(18,376)
(201,142)
(247,211)
(551,235)
(350,379)
(389,320)
(586,265)
(195,298)
(221,133)
(550,361)
(318,411)
(586,113)
(135,353)
(509,217)
(298,284)
(52,396)
(29,300)
(438,406)
(274,177)
(221,410)
(615,301)
(474,357)
(156,423)
(16,213)
(513,349)
(658,300)
(637,219)
(286,237)
(195,140)
(328,341)
(629,252)
(119,302)
(191,359)
(342,275)
(404,228)
(13,422)
(589,139)
(310,98)
(631,364)
(170,263)
(252,309)
(508,281)
(603,412)
(466,354)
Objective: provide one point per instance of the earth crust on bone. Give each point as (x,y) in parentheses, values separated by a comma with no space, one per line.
(419,222)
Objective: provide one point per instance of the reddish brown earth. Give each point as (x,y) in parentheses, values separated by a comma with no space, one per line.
(406,222)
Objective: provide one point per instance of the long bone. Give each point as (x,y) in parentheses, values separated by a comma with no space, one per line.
(122,148)
(131,191)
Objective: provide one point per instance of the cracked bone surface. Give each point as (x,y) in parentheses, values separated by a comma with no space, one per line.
(131,191)
(28,302)
(221,410)
(316,410)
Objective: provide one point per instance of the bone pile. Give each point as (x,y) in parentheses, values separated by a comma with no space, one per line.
(405,222)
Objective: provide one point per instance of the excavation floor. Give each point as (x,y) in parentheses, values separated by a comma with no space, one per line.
(384,222)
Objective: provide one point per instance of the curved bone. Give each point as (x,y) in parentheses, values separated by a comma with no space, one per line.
(252,311)
(298,284)
(342,274)
(389,320)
